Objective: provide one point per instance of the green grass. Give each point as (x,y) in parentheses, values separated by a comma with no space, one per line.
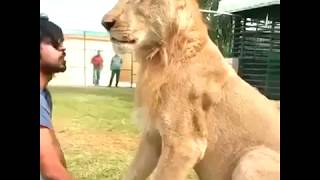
(97,109)
(96,130)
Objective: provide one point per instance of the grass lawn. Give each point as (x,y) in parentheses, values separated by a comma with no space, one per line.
(96,130)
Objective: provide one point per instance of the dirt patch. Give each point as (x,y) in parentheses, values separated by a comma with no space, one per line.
(106,141)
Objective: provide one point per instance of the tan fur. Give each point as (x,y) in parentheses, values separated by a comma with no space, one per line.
(198,113)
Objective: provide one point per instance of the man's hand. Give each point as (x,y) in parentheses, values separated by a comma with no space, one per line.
(52,162)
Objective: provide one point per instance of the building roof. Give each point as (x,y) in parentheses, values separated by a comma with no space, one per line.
(87,33)
(242,5)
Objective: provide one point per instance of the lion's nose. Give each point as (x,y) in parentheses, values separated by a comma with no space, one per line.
(108,24)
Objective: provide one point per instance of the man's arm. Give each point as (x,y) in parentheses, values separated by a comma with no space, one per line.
(52,162)
(111,62)
(101,62)
(93,59)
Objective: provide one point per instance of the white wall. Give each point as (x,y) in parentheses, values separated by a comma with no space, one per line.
(79,62)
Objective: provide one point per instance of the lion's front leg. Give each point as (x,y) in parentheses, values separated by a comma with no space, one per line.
(146,158)
(178,157)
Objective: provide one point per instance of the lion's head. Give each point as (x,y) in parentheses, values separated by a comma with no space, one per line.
(148,24)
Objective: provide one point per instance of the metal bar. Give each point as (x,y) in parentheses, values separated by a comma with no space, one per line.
(131,70)
(217,12)
(84,58)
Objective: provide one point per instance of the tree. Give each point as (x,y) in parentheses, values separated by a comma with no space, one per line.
(219,26)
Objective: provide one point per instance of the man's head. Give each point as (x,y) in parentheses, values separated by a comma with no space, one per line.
(52,52)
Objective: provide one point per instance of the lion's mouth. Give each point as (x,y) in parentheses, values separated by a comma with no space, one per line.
(123,41)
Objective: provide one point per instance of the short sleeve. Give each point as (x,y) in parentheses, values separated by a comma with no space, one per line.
(45,113)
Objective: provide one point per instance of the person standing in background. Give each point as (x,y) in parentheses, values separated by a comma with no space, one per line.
(97,63)
(115,68)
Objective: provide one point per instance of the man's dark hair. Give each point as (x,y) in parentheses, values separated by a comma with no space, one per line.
(49,30)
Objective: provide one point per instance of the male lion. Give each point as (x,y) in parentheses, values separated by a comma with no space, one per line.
(198,113)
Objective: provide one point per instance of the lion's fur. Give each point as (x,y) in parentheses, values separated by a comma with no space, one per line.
(197,111)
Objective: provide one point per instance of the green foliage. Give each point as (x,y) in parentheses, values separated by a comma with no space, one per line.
(220,26)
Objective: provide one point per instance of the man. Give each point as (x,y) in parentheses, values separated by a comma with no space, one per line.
(97,62)
(52,53)
(115,67)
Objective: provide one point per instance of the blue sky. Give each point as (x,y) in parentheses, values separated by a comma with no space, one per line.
(77,14)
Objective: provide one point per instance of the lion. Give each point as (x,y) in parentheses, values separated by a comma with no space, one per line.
(197,112)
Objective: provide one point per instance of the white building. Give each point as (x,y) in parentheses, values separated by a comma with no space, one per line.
(80,48)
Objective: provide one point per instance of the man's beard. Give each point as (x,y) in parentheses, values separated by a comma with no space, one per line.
(53,68)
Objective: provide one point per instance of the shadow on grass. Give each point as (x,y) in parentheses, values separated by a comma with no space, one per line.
(123,94)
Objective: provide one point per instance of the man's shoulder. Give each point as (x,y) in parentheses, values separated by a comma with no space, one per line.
(43,100)
(45,109)
(45,97)
(97,57)
(44,92)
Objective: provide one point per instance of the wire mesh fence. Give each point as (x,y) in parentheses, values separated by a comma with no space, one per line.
(81,46)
